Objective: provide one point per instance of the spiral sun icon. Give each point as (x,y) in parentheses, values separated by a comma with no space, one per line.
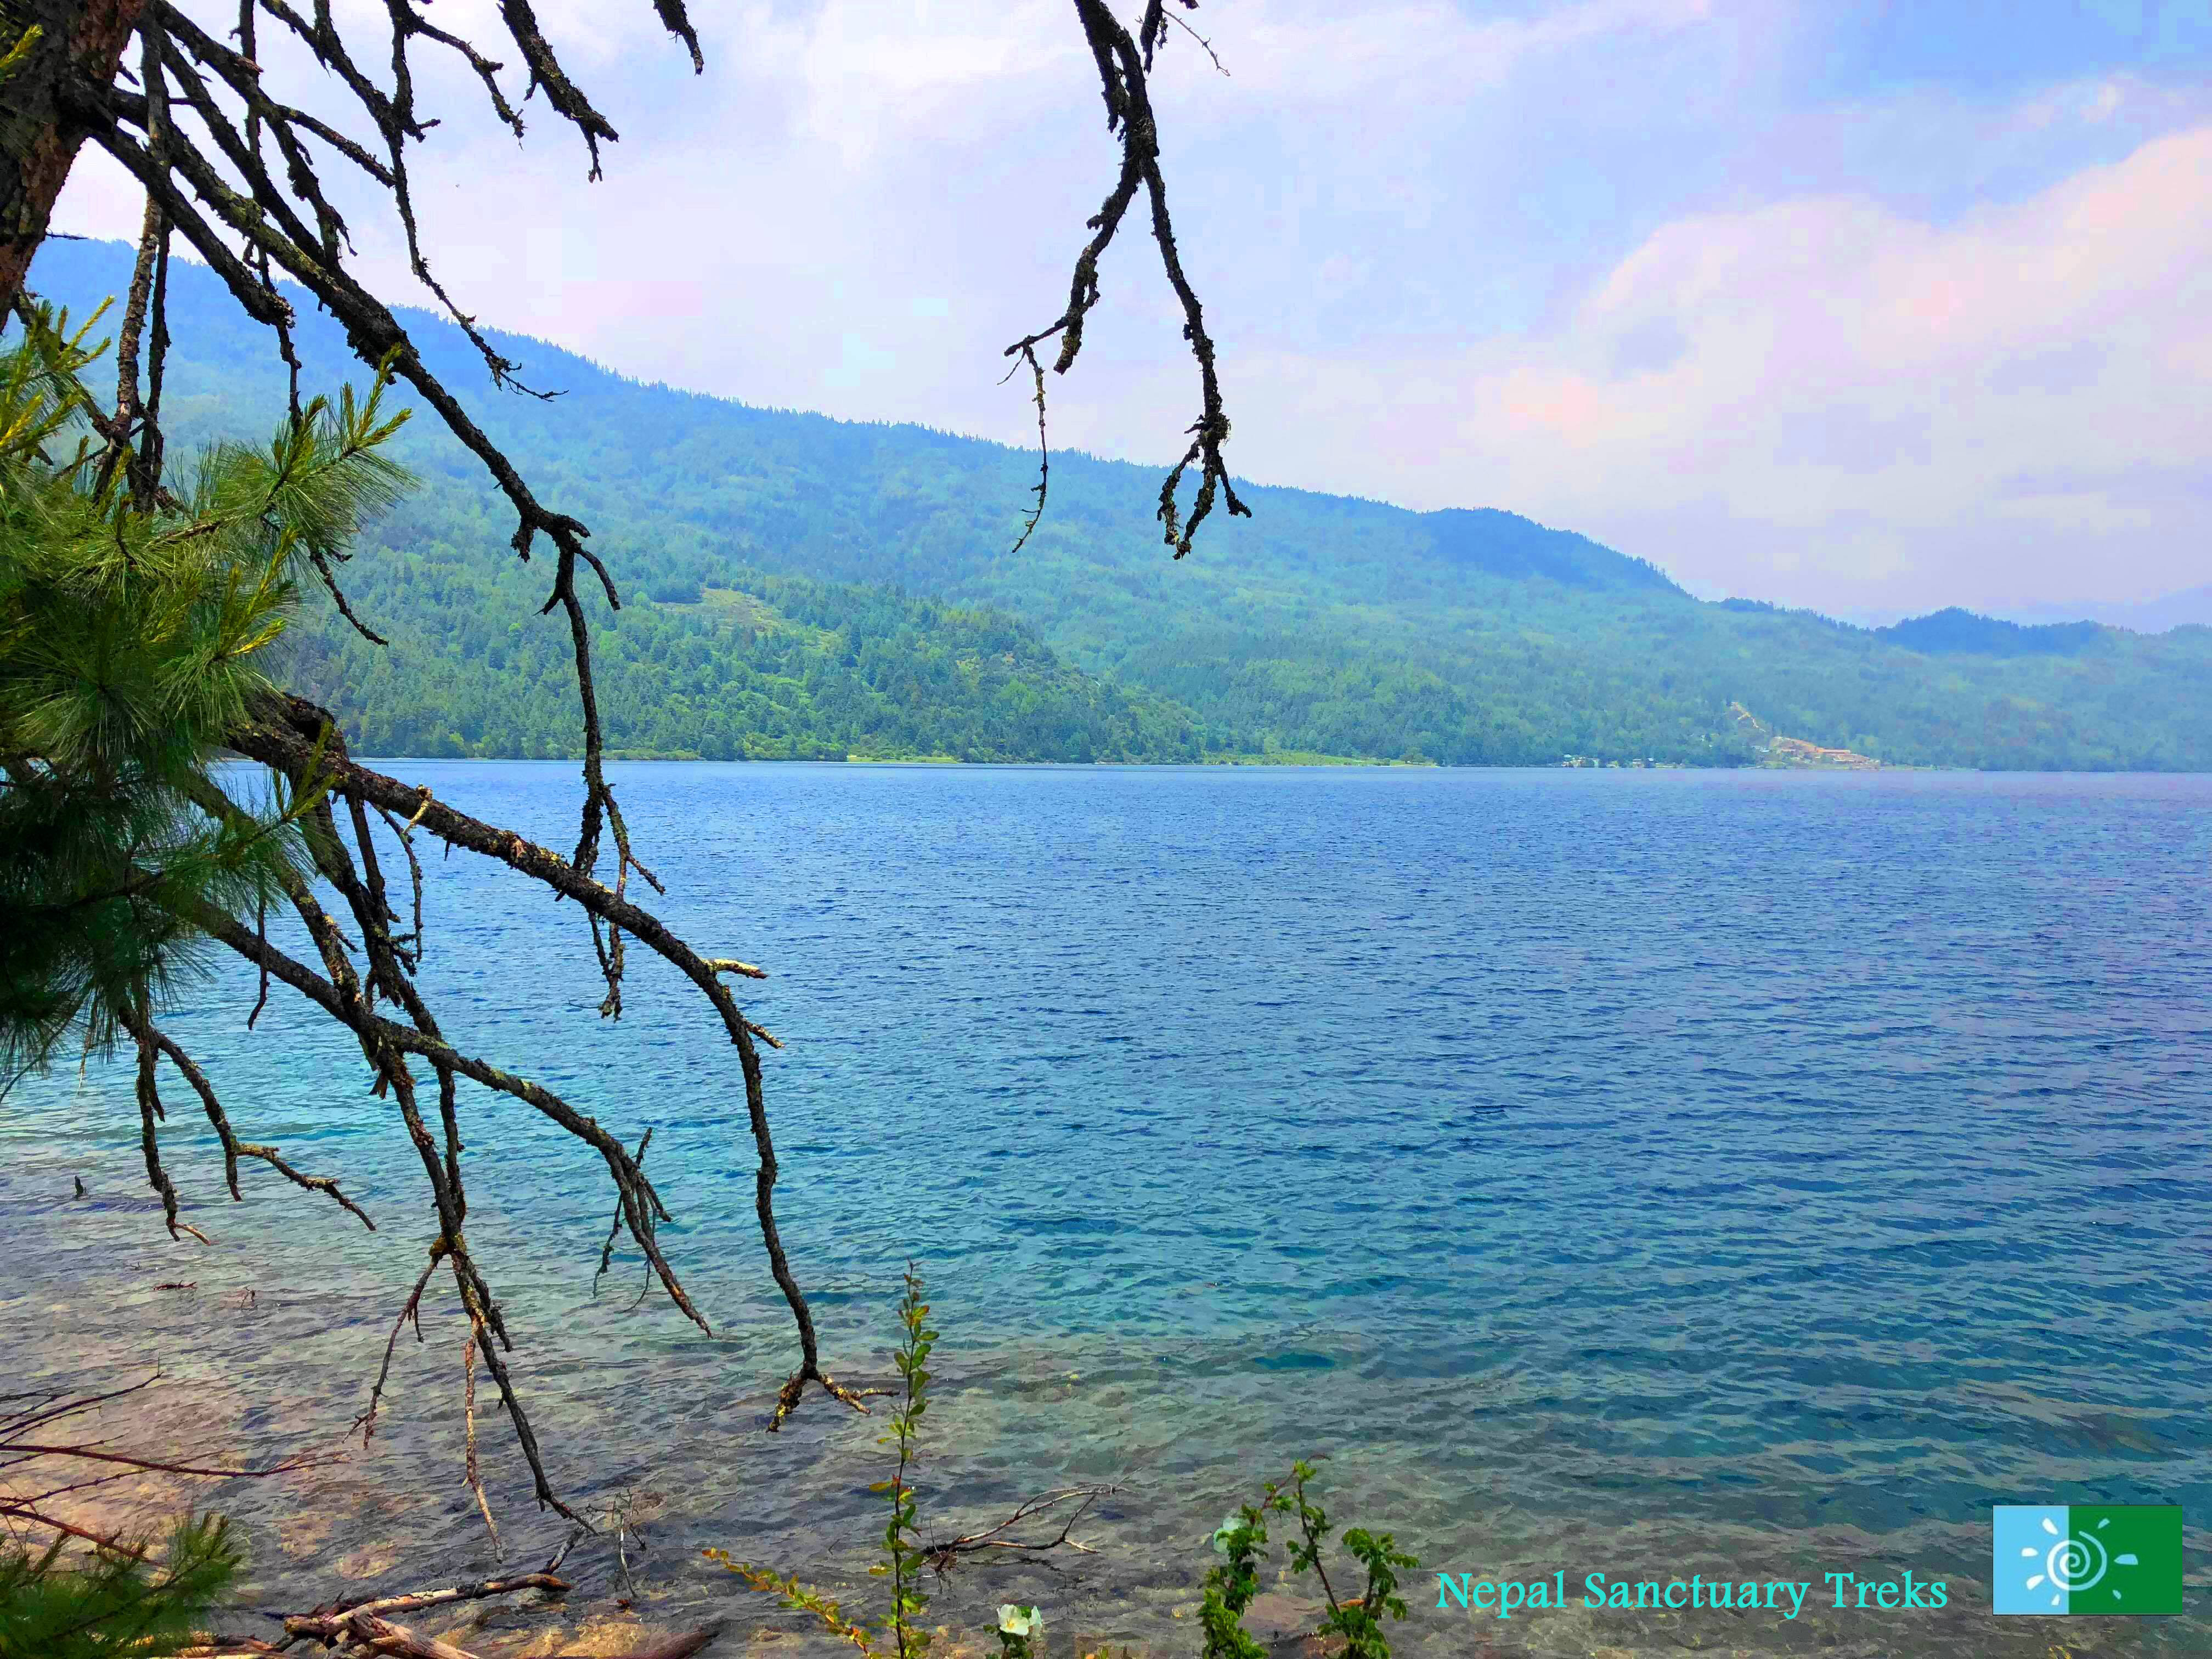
(2109,1558)
(2074,1565)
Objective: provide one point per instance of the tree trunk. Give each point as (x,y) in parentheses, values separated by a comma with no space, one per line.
(79,41)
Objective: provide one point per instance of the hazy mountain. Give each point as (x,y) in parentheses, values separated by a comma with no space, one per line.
(2192,607)
(805,585)
(1953,633)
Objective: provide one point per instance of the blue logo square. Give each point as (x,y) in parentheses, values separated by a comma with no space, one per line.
(2027,1566)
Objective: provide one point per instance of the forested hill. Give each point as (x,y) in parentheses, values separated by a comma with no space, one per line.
(806,585)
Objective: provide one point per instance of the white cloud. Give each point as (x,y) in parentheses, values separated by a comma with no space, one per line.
(1852,390)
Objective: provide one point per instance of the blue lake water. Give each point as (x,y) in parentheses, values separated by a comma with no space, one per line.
(1626,1172)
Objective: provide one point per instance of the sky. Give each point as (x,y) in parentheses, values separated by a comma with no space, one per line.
(1871,308)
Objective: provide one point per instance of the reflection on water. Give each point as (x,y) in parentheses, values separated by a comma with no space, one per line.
(1647,1175)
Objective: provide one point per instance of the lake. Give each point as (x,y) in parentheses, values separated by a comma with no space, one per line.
(1757,1174)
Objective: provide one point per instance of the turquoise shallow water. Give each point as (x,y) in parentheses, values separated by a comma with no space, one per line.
(1639,1172)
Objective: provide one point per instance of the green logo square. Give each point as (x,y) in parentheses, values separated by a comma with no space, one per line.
(2087,1558)
(2151,1533)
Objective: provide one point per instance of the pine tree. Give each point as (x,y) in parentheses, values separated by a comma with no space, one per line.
(54,1606)
(136,627)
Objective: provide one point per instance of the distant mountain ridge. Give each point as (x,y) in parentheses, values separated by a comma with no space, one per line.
(1953,632)
(1324,625)
(1506,544)
(2191,608)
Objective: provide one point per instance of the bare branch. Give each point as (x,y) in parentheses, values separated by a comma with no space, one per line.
(150,1109)
(563,94)
(410,1312)
(468,1418)
(233,1148)
(281,741)
(1123,68)
(942,1554)
(1044,451)
(418,1600)
(238,179)
(614,1227)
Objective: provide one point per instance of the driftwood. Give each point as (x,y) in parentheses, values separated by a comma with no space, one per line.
(322,1625)
(944,1553)
(382,1636)
(363,1627)
(676,1647)
(364,1624)
(375,1635)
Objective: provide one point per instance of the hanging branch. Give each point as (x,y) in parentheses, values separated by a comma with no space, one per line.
(233,1148)
(469,1419)
(411,1313)
(284,739)
(1124,67)
(150,1112)
(1044,451)
(387,1043)
(229,165)
(614,1227)
(278,738)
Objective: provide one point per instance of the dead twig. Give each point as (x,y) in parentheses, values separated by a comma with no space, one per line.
(944,1554)
(417,1600)
(469,1459)
(614,1226)
(366,1628)
(410,1311)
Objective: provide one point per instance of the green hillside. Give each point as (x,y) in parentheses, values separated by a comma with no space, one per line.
(765,667)
(804,585)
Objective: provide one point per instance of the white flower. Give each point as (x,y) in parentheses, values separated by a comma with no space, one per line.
(1221,1532)
(1020,1620)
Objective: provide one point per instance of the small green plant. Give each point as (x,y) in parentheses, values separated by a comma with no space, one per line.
(800,1598)
(1232,1584)
(902,1548)
(1359,1622)
(1242,1539)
